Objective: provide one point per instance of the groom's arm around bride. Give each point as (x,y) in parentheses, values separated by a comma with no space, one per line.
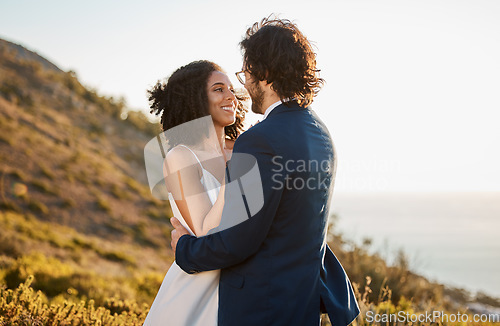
(276,268)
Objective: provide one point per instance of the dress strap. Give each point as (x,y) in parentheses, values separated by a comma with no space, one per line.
(194,155)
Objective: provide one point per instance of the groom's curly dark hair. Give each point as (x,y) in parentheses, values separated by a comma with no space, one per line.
(276,51)
(184,97)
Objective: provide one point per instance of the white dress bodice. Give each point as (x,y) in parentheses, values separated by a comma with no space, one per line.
(209,182)
(188,299)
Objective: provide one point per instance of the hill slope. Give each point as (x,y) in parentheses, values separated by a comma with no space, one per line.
(72,177)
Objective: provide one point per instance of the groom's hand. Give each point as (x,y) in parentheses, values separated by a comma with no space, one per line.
(177,232)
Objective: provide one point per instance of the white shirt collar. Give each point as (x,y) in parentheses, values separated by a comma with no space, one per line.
(270,108)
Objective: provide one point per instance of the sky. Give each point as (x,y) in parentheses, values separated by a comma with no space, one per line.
(412,87)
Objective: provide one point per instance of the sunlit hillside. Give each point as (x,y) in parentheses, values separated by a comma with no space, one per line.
(75,210)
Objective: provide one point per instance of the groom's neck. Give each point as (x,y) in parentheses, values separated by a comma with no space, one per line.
(270,97)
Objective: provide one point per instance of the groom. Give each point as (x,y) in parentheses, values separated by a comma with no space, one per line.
(276,268)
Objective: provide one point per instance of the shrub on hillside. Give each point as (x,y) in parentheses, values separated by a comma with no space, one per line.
(25,306)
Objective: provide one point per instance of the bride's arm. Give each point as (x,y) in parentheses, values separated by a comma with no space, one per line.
(182,174)
(212,219)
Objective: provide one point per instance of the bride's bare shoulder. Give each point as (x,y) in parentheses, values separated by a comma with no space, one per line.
(180,157)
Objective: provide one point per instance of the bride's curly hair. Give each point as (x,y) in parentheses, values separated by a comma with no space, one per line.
(276,51)
(184,97)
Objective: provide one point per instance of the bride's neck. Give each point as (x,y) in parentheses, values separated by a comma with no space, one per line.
(215,142)
(221,137)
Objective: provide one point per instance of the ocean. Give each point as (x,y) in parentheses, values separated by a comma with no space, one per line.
(451,238)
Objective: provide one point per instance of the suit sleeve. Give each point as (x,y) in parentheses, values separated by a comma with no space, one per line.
(235,244)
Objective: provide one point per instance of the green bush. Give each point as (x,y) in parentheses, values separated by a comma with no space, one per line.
(24,306)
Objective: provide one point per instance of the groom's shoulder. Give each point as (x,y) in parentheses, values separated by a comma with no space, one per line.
(251,134)
(256,135)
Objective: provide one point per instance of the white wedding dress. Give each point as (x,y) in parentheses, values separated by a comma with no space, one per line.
(188,299)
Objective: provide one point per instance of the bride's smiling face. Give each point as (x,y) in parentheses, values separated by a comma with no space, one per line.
(221,99)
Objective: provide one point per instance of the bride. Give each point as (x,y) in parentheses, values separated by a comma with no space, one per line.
(201,117)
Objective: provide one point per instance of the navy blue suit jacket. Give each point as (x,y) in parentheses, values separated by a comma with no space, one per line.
(276,268)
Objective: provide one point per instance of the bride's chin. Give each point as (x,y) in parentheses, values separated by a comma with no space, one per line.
(225,123)
(229,122)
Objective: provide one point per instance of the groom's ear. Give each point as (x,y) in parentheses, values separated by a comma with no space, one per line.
(265,82)
(266,78)
(266,86)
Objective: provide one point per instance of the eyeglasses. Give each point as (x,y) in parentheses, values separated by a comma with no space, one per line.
(240,75)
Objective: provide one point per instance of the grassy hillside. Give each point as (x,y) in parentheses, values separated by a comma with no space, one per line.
(73,187)
(78,223)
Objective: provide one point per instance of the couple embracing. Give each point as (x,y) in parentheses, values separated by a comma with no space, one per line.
(250,219)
